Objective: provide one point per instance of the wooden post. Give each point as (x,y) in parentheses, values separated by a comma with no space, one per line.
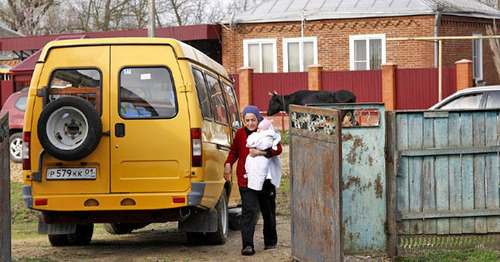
(465,78)
(5,233)
(389,88)
(245,75)
(391,188)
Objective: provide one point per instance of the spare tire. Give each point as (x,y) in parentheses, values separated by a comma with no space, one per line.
(69,128)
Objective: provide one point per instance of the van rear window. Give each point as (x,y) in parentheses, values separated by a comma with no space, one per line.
(84,83)
(147,92)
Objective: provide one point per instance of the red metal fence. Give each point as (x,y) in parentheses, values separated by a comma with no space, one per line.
(417,88)
(6,89)
(366,85)
(282,83)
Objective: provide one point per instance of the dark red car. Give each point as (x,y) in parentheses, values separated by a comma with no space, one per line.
(16,105)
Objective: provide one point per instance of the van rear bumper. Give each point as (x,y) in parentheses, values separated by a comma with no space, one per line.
(115,202)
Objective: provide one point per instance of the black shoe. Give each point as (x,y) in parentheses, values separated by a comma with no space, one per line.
(248,251)
(269,247)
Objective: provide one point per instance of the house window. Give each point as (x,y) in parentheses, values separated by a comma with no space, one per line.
(367,52)
(299,53)
(261,55)
(477,58)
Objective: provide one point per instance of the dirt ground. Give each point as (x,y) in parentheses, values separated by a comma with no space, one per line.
(158,242)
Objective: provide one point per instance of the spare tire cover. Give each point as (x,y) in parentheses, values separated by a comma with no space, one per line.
(69,128)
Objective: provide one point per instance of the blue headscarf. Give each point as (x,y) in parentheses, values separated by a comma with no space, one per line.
(254,110)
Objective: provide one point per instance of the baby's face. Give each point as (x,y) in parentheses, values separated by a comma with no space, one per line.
(259,129)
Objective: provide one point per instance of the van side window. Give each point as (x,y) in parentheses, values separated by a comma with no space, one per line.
(201,90)
(232,106)
(218,105)
(146,93)
(84,83)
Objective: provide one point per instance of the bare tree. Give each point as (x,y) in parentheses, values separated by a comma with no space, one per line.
(492,3)
(24,16)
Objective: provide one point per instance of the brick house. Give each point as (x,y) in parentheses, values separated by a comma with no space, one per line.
(288,35)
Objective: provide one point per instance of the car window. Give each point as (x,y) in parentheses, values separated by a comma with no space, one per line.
(232,107)
(217,100)
(201,90)
(493,100)
(464,102)
(84,83)
(147,93)
(21,103)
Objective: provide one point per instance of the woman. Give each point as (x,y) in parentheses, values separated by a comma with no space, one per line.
(253,200)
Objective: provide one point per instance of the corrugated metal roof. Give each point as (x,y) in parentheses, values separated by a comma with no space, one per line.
(292,10)
(181,33)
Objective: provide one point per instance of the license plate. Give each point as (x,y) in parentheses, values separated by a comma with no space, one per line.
(88,173)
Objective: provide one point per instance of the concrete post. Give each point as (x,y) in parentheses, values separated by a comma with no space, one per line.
(465,77)
(389,86)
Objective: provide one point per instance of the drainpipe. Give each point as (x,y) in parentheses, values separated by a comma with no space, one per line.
(437,20)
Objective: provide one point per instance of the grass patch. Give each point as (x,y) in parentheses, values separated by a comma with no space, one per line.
(471,255)
(283,197)
(19,212)
(285,137)
(37,259)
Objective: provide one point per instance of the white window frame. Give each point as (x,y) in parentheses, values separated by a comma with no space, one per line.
(365,37)
(477,58)
(261,41)
(301,41)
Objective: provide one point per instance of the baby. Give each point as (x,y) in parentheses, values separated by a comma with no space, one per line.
(260,168)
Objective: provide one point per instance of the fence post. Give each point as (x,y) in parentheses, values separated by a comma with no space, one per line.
(391,186)
(5,233)
(389,88)
(245,86)
(314,77)
(465,77)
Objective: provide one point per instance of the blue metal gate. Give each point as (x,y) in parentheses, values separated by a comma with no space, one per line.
(363,173)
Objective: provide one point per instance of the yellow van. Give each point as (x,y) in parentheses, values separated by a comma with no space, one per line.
(127,132)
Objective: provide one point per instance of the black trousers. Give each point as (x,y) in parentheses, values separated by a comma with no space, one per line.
(252,201)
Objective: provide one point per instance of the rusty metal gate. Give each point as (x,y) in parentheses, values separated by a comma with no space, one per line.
(315,150)
(443,179)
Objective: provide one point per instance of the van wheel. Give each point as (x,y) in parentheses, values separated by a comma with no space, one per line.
(59,240)
(69,128)
(123,228)
(16,147)
(220,236)
(82,235)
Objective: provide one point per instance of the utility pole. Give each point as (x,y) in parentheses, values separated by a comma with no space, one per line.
(151,20)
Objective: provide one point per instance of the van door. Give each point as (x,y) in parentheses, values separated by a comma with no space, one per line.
(81,71)
(150,130)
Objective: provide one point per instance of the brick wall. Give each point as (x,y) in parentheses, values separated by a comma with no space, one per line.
(333,41)
(455,50)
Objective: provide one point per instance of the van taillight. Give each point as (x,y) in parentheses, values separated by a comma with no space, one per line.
(26,151)
(196,156)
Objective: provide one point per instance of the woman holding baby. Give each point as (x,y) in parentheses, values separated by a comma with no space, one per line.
(257,180)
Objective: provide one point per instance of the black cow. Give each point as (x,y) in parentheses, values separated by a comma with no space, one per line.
(303,97)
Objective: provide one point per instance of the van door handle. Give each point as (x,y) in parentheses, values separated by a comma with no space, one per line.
(120,130)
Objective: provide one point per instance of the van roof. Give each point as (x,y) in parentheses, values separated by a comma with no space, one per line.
(182,50)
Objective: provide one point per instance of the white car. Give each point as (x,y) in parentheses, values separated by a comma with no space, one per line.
(471,98)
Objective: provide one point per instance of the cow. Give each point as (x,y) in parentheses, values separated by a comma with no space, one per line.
(281,102)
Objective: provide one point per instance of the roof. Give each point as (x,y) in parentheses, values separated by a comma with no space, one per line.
(182,50)
(181,33)
(293,10)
